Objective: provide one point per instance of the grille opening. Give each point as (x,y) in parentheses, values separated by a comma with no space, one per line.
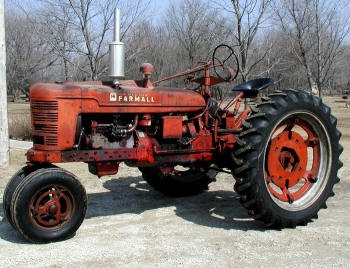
(45,122)
(45,105)
(45,111)
(38,140)
(47,129)
(43,117)
(51,141)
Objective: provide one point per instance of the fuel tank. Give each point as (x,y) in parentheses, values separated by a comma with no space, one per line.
(101,97)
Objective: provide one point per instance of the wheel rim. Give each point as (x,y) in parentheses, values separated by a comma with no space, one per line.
(52,208)
(297,161)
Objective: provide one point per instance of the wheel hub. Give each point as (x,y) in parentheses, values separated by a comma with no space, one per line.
(287,159)
(51,208)
(290,167)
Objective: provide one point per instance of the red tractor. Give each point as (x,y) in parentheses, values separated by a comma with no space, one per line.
(283,151)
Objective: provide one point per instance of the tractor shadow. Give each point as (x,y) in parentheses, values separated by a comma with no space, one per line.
(7,232)
(216,209)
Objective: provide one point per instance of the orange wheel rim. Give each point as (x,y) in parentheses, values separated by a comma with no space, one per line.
(292,160)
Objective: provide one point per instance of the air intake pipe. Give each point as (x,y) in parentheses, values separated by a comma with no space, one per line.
(116,52)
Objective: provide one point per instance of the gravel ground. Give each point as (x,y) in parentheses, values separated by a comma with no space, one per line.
(130,224)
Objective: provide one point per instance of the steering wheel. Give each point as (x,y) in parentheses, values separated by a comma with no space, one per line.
(224,59)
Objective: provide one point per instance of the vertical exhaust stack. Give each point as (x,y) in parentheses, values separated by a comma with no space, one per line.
(116,52)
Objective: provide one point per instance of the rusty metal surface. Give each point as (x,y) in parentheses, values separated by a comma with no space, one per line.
(160,117)
(172,127)
(55,107)
(144,100)
(288,160)
(55,121)
(52,208)
(129,98)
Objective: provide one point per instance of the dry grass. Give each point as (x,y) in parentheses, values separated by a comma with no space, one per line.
(20,127)
(19,121)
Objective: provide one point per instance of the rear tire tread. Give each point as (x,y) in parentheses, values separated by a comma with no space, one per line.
(245,186)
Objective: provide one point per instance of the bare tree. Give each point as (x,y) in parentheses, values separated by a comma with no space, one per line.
(316,35)
(149,43)
(79,31)
(68,39)
(27,55)
(55,23)
(249,17)
(195,28)
(340,81)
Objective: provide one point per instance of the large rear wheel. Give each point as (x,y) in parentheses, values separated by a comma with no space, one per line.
(290,159)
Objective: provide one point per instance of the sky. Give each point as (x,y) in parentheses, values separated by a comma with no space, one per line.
(160,4)
(160,7)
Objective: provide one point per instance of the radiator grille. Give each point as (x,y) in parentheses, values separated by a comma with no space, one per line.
(46,129)
(51,141)
(45,119)
(45,105)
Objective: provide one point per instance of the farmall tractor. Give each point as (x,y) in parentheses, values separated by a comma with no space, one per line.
(283,151)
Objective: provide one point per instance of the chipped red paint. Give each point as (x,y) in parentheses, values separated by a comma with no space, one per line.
(104,168)
(172,127)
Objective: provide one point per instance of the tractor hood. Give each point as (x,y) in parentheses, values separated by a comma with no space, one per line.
(99,97)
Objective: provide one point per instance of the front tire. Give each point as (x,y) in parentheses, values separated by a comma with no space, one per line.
(290,159)
(11,186)
(49,205)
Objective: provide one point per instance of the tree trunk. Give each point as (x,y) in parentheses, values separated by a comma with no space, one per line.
(4,136)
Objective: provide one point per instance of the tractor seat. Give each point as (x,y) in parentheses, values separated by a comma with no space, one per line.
(252,87)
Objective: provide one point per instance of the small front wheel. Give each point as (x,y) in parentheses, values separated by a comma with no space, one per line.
(13,183)
(49,205)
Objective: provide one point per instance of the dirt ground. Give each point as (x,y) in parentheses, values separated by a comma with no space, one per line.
(130,224)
